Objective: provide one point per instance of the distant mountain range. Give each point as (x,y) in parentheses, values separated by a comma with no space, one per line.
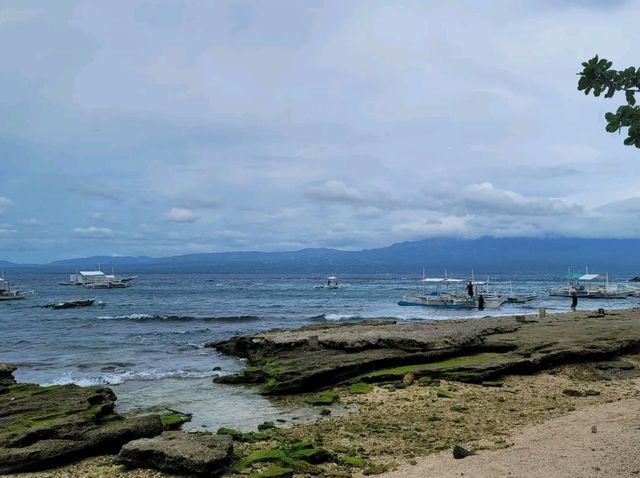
(459,256)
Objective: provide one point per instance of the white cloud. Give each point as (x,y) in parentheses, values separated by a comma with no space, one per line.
(484,198)
(93,232)
(5,203)
(335,191)
(180,214)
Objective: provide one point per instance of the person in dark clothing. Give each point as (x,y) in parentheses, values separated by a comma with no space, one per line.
(574,300)
(470,289)
(480,302)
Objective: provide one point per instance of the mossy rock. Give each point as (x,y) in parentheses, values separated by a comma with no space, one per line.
(326,398)
(354,461)
(492,383)
(425,381)
(266,426)
(270,455)
(408,378)
(325,412)
(440,392)
(311,455)
(274,471)
(173,421)
(249,437)
(360,388)
(374,469)
(278,456)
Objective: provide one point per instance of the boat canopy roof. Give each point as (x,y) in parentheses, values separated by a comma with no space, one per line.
(331,278)
(574,276)
(91,273)
(588,277)
(441,280)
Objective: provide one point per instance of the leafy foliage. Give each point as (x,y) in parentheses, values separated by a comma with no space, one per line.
(597,76)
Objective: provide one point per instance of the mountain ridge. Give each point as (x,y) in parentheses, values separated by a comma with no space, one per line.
(436,254)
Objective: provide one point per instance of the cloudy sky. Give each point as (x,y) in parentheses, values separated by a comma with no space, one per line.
(168,127)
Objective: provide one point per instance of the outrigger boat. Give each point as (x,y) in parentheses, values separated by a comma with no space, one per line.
(6,293)
(519,298)
(583,285)
(446,298)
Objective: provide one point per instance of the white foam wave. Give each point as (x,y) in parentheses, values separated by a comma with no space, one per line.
(115,378)
(127,317)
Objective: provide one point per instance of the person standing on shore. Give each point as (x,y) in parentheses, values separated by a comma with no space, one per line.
(480,302)
(574,299)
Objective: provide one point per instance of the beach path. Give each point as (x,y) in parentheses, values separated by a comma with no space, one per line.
(567,446)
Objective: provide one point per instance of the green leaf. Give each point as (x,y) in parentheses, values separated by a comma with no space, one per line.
(629,141)
(583,82)
(631,99)
(613,127)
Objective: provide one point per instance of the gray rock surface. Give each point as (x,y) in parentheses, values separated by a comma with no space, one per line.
(485,348)
(6,374)
(180,452)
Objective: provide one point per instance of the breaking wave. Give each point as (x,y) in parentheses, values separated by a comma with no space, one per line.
(179,318)
(116,378)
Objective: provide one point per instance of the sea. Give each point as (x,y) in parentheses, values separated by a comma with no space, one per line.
(147,342)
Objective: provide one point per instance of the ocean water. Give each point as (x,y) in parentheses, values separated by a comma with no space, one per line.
(147,342)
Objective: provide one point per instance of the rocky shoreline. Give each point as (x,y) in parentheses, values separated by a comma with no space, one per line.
(413,389)
(474,350)
(46,427)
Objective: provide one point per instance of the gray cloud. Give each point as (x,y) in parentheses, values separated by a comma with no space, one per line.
(296,124)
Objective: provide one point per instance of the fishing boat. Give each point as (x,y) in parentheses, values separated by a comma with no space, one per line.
(521,298)
(443,294)
(492,300)
(586,286)
(6,293)
(332,283)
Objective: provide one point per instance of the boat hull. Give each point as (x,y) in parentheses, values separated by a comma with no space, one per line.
(443,302)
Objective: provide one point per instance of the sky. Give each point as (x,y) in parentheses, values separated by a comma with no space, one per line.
(170,127)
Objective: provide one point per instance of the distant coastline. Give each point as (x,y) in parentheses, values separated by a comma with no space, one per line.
(487,254)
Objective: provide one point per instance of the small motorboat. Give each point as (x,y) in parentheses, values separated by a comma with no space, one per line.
(332,283)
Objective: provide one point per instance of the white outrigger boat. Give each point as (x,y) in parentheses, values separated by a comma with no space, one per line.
(583,285)
(519,298)
(492,300)
(446,298)
(6,293)
(332,283)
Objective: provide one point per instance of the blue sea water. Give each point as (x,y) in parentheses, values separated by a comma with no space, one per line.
(147,342)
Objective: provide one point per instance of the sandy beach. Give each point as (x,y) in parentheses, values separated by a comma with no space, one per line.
(598,440)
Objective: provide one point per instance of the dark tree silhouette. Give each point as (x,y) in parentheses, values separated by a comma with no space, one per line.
(598,77)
